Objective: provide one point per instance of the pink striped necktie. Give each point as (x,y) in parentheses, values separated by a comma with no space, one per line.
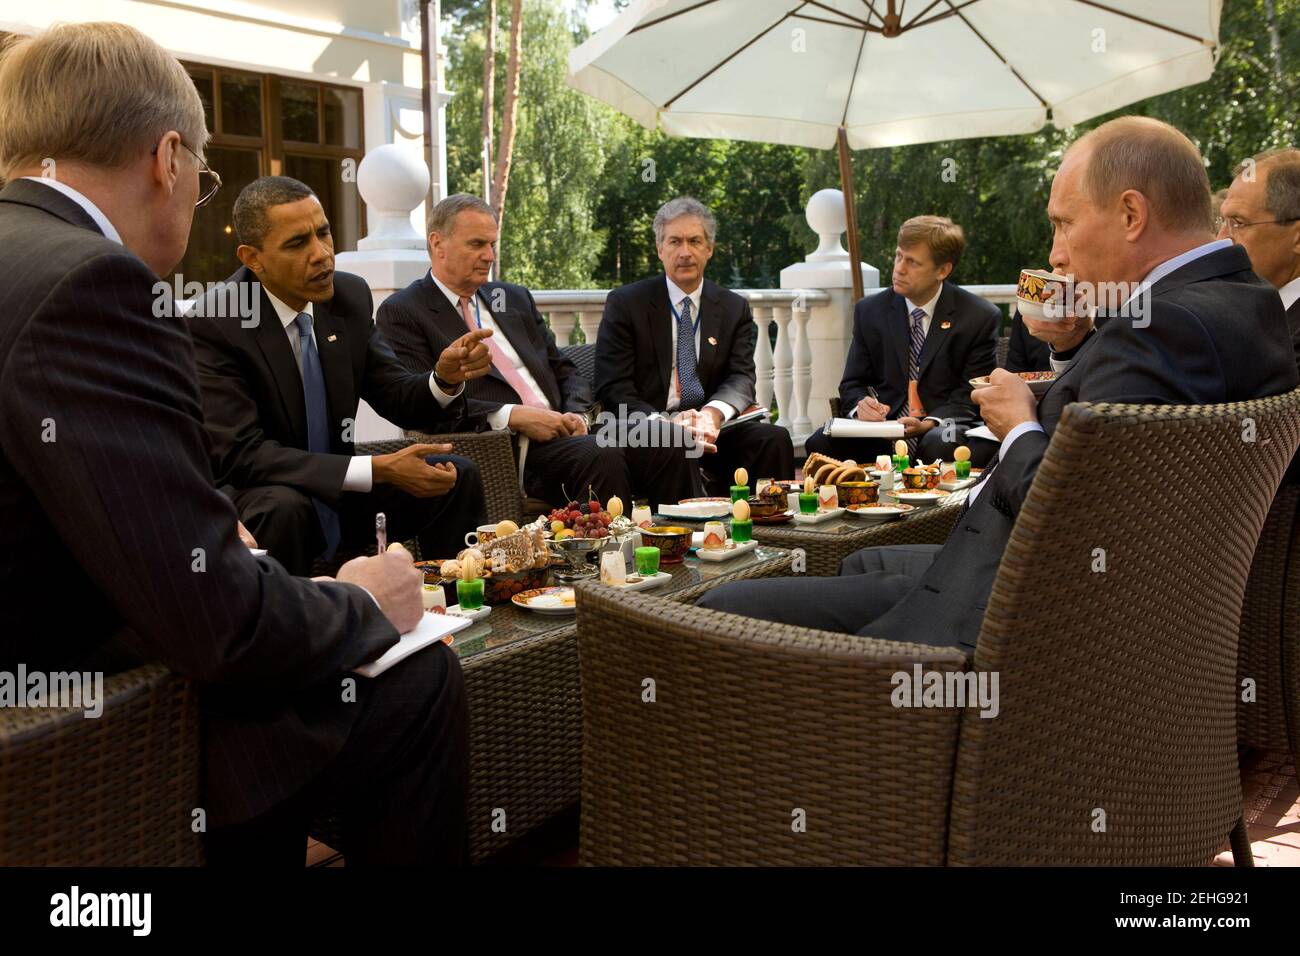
(502,363)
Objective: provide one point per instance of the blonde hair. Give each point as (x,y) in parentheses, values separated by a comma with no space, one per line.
(943,237)
(97,93)
(1157,160)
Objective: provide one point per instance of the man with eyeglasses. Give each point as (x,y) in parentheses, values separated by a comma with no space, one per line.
(116,547)
(1261,213)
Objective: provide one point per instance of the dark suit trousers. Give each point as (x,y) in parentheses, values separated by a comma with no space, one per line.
(870,582)
(564,469)
(761,448)
(284,521)
(400,783)
(930,447)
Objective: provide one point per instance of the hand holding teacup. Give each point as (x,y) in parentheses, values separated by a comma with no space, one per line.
(1006,402)
(1040,297)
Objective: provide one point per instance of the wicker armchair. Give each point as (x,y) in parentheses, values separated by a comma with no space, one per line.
(118,790)
(1269,644)
(493,453)
(1115,741)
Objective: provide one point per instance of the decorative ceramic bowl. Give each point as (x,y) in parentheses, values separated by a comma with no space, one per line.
(672,541)
(856,492)
(767,505)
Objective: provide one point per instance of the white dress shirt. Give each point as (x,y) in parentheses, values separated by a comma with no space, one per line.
(500,419)
(93,211)
(360,475)
(1290,292)
(676,297)
(1152,277)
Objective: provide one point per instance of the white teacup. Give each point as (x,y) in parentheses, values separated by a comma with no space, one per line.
(1041,295)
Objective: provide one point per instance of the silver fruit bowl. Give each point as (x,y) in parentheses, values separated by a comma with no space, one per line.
(577,552)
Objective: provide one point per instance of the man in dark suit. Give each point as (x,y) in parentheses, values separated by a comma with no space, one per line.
(1261,213)
(680,347)
(280,391)
(1200,328)
(917,345)
(1025,353)
(531,388)
(107,498)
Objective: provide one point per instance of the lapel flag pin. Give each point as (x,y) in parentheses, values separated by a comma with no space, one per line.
(334,337)
(712,340)
(945,325)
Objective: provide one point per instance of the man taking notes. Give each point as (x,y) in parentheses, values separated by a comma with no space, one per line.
(107,498)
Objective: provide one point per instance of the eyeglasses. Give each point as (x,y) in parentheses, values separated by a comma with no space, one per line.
(1235,224)
(204,170)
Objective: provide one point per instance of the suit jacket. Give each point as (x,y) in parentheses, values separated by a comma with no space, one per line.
(1026,353)
(1216,334)
(634,349)
(1293,326)
(950,358)
(107,506)
(420,321)
(253,402)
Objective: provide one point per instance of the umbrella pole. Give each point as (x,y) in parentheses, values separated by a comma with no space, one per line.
(850,214)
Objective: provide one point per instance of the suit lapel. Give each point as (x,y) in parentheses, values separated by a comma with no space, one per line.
(900,328)
(938,336)
(510,325)
(710,326)
(273,342)
(335,363)
(661,335)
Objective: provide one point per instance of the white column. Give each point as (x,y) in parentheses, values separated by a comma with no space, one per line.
(392,182)
(781,362)
(830,324)
(801,426)
(763,357)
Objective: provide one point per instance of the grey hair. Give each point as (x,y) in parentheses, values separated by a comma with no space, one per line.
(1282,190)
(249,214)
(442,217)
(675,209)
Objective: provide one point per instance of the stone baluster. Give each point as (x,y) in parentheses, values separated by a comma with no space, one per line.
(590,323)
(763,357)
(781,362)
(801,426)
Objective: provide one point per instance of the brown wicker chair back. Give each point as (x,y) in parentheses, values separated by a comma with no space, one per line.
(1112,628)
(116,790)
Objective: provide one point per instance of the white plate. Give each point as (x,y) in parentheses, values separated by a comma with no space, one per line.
(726,554)
(957,485)
(919,497)
(823,514)
(456,611)
(1037,386)
(697,510)
(549,602)
(651,582)
(883,513)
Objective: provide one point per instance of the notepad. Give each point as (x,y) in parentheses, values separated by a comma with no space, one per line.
(852,428)
(431,629)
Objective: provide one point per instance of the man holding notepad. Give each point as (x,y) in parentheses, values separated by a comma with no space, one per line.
(915,348)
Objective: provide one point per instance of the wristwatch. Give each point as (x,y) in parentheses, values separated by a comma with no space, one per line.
(443,384)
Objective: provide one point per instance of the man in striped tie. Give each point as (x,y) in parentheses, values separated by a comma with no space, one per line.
(915,348)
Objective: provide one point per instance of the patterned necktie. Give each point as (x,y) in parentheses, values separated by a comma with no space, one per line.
(914,371)
(688,378)
(501,362)
(318,437)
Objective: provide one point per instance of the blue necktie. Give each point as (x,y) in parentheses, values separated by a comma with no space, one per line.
(688,379)
(318,437)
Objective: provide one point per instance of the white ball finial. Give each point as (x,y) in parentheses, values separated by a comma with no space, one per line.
(825,214)
(391,177)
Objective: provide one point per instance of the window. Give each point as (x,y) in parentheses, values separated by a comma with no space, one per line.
(261,125)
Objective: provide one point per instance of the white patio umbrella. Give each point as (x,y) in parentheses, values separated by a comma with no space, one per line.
(871,73)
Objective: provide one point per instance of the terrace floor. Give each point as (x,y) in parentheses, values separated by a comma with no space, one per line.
(1268,782)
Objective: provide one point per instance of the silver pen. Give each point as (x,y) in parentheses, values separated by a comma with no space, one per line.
(381,532)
